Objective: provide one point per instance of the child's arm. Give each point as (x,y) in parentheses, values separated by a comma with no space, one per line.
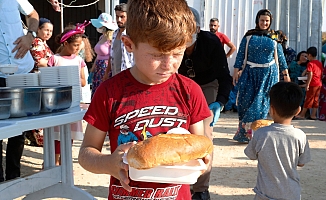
(51,61)
(92,159)
(304,154)
(82,77)
(42,62)
(308,80)
(198,129)
(250,150)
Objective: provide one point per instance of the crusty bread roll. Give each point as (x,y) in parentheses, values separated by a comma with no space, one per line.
(168,149)
(260,123)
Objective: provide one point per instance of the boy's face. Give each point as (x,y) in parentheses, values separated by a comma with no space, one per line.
(152,66)
(309,56)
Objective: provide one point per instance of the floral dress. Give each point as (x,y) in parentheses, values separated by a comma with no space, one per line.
(39,50)
(102,60)
(255,82)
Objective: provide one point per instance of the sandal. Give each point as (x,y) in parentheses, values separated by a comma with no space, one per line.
(243,140)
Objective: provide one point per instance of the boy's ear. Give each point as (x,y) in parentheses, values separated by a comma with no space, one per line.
(129,44)
(271,110)
(299,110)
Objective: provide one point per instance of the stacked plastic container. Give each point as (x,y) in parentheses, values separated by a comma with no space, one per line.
(62,75)
(22,80)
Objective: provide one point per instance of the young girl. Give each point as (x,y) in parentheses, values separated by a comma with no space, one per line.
(70,41)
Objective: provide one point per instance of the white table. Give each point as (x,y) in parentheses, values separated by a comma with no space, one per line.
(53,181)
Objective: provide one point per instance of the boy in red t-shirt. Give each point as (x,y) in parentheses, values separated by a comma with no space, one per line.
(150,94)
(313,85)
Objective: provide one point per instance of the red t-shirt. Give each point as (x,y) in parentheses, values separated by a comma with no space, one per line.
(316,67)
(124,102)
(224,39)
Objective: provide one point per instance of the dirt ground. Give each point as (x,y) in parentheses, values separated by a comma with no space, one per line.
(233,175)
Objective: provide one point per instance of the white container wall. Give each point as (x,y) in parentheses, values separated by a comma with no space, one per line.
(300,20)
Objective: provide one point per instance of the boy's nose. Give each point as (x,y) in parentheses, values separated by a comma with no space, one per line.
(167,62)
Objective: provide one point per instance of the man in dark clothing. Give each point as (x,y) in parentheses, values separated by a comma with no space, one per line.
(205,62)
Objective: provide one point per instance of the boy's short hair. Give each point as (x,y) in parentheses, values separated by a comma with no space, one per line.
(164,24)
(312,51)
(121,7)
(286,98)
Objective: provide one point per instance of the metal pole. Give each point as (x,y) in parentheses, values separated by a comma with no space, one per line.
(62,24)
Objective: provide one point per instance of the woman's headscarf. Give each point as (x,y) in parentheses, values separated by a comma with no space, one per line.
(257,30)
(43,21)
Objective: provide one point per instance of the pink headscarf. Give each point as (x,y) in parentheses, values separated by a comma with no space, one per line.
(80,29)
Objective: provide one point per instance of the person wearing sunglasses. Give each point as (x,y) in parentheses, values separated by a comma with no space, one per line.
(205,62)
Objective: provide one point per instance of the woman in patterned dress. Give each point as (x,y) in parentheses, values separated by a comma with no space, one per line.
(259,74)
(40,50)
(105,26)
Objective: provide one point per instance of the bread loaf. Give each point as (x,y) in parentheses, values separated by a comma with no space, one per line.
(260,123)
(168,149)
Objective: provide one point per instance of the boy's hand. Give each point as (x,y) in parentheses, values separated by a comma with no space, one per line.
(216,109)
(207,160)
(122,168)
(307,87)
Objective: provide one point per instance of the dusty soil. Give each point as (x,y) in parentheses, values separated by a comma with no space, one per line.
(233,174)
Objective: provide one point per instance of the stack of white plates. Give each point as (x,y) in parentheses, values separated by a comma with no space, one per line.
(60,75)
(76,96)
(21,80)
(63,75)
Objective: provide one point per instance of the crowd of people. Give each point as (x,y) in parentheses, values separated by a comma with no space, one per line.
(159,50)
